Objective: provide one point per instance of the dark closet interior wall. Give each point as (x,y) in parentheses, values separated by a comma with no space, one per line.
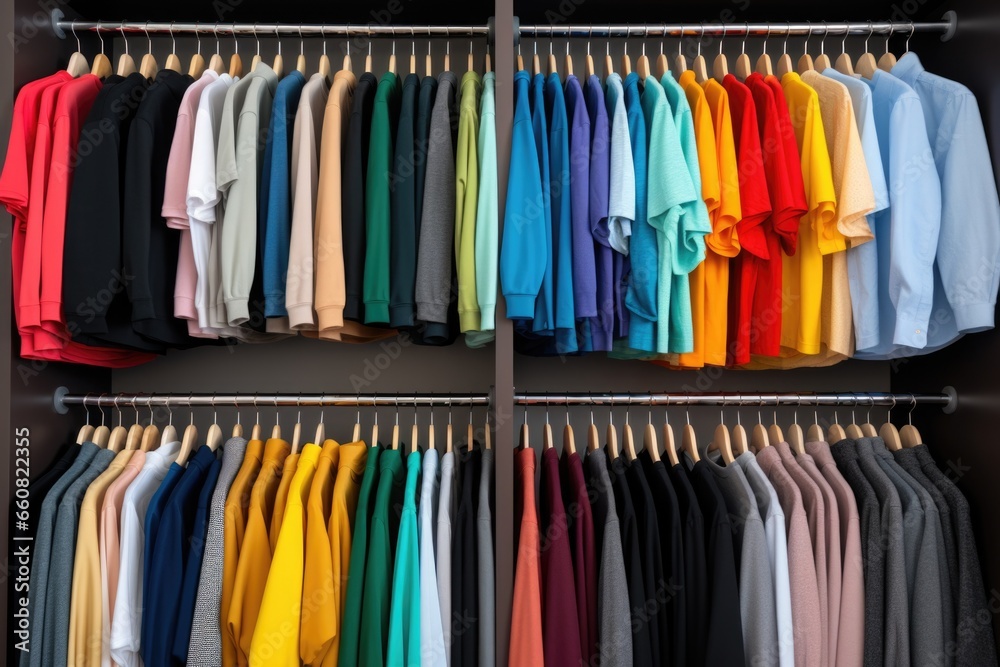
(964,443)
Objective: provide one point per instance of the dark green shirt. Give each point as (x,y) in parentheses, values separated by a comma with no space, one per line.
(378,189)
(378,571)
(350,629)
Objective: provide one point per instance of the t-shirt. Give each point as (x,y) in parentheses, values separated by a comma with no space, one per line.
(405,619)
(640,298)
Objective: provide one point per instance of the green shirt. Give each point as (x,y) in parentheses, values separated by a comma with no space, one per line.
(466,197)
(378,571)
(350,629)
(377,195)
(404,621)
(487,219)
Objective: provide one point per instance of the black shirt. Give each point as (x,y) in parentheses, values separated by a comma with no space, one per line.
(724,638)
(403,227)
(672,546)
(354,171)
(657,594)
(695,570)
(95,282)
(642,632)
(149,246)
(464,561)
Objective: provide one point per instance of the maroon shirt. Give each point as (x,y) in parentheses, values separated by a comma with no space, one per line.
(581,531)
(561,640)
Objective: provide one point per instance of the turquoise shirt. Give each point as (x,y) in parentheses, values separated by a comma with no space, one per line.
(487,218)
(404,614)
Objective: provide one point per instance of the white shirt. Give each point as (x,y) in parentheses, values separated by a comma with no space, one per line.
(445,510)
(432,647)
(777,553)
(126,624)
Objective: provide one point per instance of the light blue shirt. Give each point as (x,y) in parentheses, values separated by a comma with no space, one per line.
(862,260)
(621,196)
(967,270)
(432,649)
(906,233)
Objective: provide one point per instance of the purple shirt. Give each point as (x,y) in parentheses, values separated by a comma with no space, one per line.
(584,271)
(600,183)
(560,639)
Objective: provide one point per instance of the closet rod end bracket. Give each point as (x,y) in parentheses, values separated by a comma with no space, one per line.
(951,16)
(56,17)
(57,397)
(952,403)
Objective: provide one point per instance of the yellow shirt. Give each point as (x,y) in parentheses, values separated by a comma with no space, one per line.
(276,635)
(802,275)
(234,527)
(85,615)
(319,614)
(255,555)
(280,498)
(350,471)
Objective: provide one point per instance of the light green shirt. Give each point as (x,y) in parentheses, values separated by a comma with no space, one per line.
(466,197)
(487,219)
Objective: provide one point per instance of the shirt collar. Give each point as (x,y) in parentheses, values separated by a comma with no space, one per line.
(908,68)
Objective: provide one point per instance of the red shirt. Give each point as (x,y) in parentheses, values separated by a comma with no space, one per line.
(756,207)
(798,206)
(782,227)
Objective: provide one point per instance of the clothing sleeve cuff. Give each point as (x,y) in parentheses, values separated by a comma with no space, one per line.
(910,332)
(520,306)
(301,316)
(237,311)
(487,317)
(469,320)
(142,309)
(830,246)
(401,315)
(376,312)
(331,317)
(975,317)
(432,312)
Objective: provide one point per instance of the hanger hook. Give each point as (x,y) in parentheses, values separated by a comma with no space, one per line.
(100,29)
(822,43)
(868,415)
(701,38)
(253,30)
(628,409)
(190,409)
(766,37)
(913,29)
(302,42)
(888,416)
(871,31)
(72,29)
(396,404)
(85,408)
(117,398)
(236,42)
(124,38)
(746,32)
(145,29)
(784,44)
(913,404)
(149,406)
(135,406)
(809,34)
(843,42)
(101,407)
(215,31)
(413,52)
(723,38)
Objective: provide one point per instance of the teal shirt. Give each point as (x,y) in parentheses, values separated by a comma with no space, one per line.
(350,628)
(487,219)
(689,250)
(378,571)
(377,195)
(404,616)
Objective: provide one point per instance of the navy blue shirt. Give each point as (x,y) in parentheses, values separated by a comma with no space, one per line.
(150,524)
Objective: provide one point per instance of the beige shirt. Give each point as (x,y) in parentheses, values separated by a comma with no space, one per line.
(305,175)
(86,632)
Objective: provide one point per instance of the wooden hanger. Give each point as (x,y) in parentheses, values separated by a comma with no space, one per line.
(101,67)
(169,432)
(890,434)
(236,63)
(795,438)
(593,439)
(297,429)
(151,434)
(569,438)
(853,430)
(774,433)
(126,65)
(844,65)
(569,61)
(300,61)
(669,443)
(102,434)
(487,61)
(320,436)
(662,66)
(722,444)
(525,439)
(375,432)
(395,428)
(609,63)
(649,440)
(279,60)
(720,68)
(256,60)
(368,57)
(680,61)
(134,437)
(86,433)
(589,61)
(197,65)
(868,429)
(689,441)
(764,67)
(611,436)
(471,64)
(392,58)
(413,52)
(888,60)
(173,62)
(642,64)
(429,66)
(214,438)
(547,442)
(414,433)
(215,63)
(448,430)
(148,67)
(867,63)
(238,426)
(743,66)
(909,436)
(188,442)
(759,438)
(626,61)
(836,432)
(785,63)
(740,441)
(117,441)
(520,58)
(823,61)
(356,434)
(699,66)
(805,63)
(815,432)
(553,68)
(487,433)
(470,433)
(78,65)
(276,429)
(628,440)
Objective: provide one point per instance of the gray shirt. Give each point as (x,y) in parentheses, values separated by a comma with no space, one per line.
(484,553)
(205,645)
(55,638)
(433,289)
(927,636)
(38,581)
(613,614)
(756,586)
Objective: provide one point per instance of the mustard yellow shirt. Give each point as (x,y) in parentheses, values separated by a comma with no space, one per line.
(802,274)
(234,527)
(85,616)
(280,498)
(319,614)
(276,635)
(255,555)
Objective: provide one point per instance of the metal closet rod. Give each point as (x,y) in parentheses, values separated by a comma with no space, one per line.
(265,29)
(739,29)
(62,400)
(947,399)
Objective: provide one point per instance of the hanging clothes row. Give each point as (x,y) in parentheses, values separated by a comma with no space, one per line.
(157,209)
(757,218)
(151,550)
(745,551)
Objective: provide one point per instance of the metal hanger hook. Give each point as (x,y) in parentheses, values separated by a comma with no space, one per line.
(746,33)
(322,36)
(215,31)
(149,406)
(868,415)
(784,44)
(302,42)
(913,404)
(72,29)
(100,29)
(843,42)
(396,404)
(124,38)
(117,397)
(888,416)
(190,409)
(913,29)
(766,37)
(809,34)
(822,40)
(101,407)
(85,408)
(145,29)
(871,31)
(254,31)
(701,38)
(723,38)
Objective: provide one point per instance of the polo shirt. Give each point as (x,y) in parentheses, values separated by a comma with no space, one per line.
(385,113)
(355,171)
(755,208)
(404,622)
(276,183)
(150,248)
(350,625)
(126,623)
(526,643)
(466,200)
(170,556)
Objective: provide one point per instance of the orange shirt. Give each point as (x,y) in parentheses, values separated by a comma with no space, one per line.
(526,621)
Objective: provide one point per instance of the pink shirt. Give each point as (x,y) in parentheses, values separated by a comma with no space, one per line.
(851,630)
(806,609)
